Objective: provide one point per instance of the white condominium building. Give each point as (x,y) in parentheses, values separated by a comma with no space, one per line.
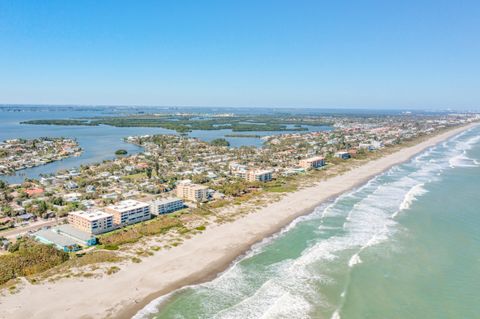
(259,176)
(192,192)
(129,212)
(166,205)
(312,162)
(92,222)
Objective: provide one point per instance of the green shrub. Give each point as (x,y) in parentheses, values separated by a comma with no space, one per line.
(93,258)
(28,258)
(133,233)
(121,152)
(112,270)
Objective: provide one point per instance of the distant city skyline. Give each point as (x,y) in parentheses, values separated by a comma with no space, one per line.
(272,54)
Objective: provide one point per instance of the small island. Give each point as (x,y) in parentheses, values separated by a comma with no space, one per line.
(121,152)
(244,135)
(219,142)
(18,154)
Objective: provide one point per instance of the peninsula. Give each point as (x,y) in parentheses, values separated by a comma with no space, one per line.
(18,154)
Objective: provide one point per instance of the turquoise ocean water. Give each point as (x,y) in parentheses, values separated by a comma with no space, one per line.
(405,245)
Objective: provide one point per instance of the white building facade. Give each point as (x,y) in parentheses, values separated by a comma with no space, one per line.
(92,222)
(129,212)
(165,206)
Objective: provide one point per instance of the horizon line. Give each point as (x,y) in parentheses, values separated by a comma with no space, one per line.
(406,108)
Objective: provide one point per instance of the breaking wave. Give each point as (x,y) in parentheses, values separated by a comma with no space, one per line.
(410,197)
(461,159)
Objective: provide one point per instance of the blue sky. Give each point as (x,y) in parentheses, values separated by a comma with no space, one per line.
(378,54)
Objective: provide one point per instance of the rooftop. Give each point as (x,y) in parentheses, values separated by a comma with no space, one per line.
(315,158)
(128,204)
(55,238)
(91,215)
(262,171)
(166,200)
(34,191)
(71,231)
(187,182)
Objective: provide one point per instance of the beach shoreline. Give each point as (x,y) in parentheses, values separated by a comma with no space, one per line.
(198,259)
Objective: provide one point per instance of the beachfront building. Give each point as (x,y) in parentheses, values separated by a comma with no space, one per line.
(342,155)
(259,175)
(49,237)
(93,222)
(192,192)
(312,162)
(129,212)
(373,145)
(65,237)
(166,205)
(80,237)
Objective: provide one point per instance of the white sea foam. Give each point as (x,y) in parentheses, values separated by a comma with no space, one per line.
(287,306)
(152,307)
(354,260)
(411,196)
(462,160)
(336,315)
(323,227)
(461,148)
(423,155)
(272,300)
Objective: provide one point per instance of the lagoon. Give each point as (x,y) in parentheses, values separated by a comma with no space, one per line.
(99,143)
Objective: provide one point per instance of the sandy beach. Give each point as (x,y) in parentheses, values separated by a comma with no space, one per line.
(123,294)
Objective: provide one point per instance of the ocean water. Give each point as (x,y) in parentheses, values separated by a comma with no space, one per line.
(405,245)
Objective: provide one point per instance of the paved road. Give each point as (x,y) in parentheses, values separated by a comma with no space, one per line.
(14,232)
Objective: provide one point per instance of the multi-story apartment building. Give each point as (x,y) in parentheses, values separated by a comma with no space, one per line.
(312,162)
(192,192)
(259,175)
(238,170)
(129,212)
(166,205)
(92,222)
